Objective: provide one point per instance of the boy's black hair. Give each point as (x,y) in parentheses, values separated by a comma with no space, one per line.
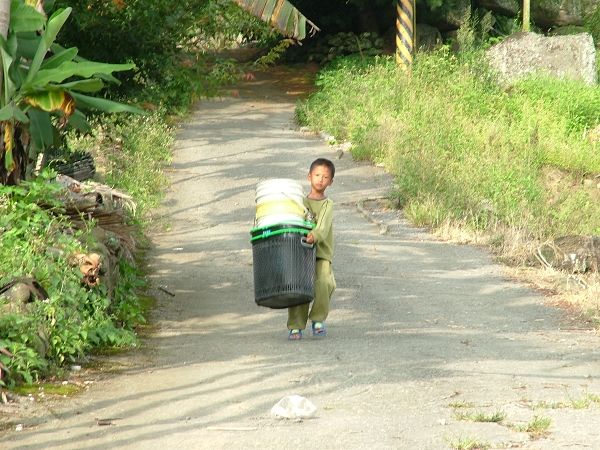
(323,162)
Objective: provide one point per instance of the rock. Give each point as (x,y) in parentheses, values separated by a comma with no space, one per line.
(428,37)
(505,7)
(41,342)
(549,13)
(452,18)
(521,54)
(19,293)
(576,254)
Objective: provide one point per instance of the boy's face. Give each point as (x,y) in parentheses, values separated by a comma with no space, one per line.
(320,178)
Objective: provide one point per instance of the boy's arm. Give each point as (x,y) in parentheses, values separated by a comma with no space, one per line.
(324,221)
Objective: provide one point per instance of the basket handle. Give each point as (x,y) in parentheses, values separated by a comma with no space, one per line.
(306,244)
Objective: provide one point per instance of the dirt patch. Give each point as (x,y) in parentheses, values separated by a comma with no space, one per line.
(290,82)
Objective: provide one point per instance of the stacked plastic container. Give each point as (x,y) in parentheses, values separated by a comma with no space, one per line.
(284,264)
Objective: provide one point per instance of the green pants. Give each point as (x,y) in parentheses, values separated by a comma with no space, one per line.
(318,310)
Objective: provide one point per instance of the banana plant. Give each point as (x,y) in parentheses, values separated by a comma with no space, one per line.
(45,88)
(280,14)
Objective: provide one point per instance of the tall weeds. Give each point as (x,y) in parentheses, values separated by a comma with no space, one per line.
(465,150)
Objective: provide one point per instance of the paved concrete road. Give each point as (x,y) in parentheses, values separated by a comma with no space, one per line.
(420,329)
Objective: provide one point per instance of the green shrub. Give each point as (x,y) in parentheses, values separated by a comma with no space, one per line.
(37,241)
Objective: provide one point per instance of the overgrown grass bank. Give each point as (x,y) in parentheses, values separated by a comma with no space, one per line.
(465,151)
(38,245)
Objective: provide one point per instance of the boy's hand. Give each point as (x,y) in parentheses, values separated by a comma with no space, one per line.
(310,239)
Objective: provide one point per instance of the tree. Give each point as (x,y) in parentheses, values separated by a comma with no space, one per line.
(44,88)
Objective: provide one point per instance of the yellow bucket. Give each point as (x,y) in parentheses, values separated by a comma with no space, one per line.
(277,207)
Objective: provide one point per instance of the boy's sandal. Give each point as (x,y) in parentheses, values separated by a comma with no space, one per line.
(295,335)
(318,329)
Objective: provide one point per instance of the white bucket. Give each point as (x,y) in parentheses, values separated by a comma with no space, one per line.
(279,200)
(278,188)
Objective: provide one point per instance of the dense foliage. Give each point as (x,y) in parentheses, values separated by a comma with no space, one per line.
(166,40)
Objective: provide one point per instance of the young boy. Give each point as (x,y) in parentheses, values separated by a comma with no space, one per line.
(320,176)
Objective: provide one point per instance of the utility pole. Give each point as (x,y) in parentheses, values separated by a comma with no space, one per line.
(526,15)
(405,33)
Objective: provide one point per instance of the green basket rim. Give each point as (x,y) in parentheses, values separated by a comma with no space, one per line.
(282,231)
(304,223)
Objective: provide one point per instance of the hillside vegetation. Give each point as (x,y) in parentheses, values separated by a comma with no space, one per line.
(512,168)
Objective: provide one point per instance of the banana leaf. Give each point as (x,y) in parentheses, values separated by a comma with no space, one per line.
(28,44)
(59,58)
(8,87)
(9,143)
(41,129)
(53,26)
(13,112)
(56,49)
(79,121)
(56,100)
(87,102)
(25,18)
(69,69)
(281,14)
(91,85)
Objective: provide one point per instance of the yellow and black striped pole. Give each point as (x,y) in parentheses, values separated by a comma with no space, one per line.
(405,32)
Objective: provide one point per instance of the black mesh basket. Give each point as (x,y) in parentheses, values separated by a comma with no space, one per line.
(284,270)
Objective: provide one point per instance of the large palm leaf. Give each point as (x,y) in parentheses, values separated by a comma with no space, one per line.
(281,14)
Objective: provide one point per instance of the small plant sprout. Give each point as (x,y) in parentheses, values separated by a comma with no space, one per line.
(481,416)
(549,405)
(537,427)
(461,404)
(469,443)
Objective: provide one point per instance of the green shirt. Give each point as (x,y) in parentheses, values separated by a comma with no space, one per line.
(323,231)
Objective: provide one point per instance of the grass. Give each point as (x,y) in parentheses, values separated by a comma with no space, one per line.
(469,443)
(481,416)
(510,168)
(461,404)
(584,402)
(537,427)
(462,148)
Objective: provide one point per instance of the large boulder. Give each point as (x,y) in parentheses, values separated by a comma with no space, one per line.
(552,13)
(572,57)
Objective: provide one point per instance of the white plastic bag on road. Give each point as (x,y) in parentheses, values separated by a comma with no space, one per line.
(293,407)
